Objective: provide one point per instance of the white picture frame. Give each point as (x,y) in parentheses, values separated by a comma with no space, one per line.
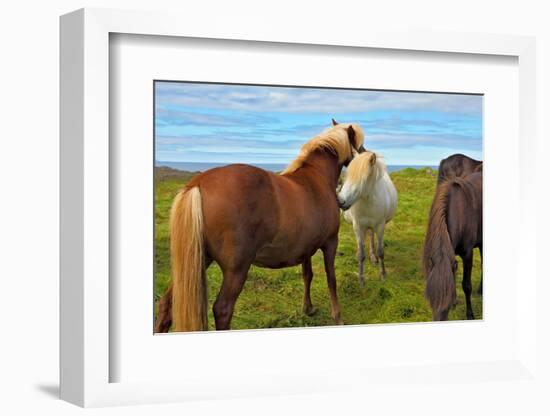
(85,355)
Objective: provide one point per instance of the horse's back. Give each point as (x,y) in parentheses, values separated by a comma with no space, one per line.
(239,173)
(236,189)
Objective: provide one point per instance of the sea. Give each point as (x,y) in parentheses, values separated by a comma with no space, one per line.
(274,167)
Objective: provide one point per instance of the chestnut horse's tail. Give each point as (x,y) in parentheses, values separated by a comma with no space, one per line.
(439,257)
(189,294)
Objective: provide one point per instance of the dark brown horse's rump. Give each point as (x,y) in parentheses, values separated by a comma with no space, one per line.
(457,165)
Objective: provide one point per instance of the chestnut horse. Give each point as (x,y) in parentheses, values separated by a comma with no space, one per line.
(239,215)
(454,228)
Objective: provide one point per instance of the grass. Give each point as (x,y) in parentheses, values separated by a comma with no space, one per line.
(273,298)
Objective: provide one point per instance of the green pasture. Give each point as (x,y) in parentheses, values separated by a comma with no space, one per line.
(273,298)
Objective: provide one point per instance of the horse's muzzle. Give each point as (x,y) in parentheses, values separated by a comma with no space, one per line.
(342,204)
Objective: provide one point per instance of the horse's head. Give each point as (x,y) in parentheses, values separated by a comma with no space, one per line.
(363,171)
(355,137)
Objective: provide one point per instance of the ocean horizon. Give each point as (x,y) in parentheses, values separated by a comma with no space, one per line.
(274,167)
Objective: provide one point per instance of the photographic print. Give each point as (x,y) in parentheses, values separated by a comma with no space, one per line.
(286,206)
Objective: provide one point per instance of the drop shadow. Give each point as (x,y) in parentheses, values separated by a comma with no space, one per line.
(51,390)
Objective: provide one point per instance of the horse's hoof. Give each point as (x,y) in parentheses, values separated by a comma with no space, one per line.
(373,259)
(310,311)
(382,276)
(339,321)
(470,316)
(362,282)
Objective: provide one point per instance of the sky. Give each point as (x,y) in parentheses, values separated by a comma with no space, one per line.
(221,123)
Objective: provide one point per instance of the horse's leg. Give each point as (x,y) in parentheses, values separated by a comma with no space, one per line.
(480,288)
(307,273)
(360,238)
(372,256)
(164,316)
(232,285)
(380,250)
(467,283)
(329,253)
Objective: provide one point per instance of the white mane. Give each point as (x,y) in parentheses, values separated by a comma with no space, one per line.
(363,172)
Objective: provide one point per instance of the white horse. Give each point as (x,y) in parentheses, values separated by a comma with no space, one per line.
(371,198)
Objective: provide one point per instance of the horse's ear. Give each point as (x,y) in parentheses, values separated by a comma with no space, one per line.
(351,136)
(334,122)
(373,159)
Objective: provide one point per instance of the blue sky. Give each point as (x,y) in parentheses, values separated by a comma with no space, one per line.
(254,124)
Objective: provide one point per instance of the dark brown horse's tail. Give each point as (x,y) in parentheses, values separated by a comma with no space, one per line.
(189,294)
(439,257)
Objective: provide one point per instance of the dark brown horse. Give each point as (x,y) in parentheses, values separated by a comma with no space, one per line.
(454,228)
(239,215)
(457,165)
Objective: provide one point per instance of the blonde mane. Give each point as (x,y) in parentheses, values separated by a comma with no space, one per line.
(363,169)
(335,139)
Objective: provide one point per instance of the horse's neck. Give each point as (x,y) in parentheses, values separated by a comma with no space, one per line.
(320,167)
(323,164)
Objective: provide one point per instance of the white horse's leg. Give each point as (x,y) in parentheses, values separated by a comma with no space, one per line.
(360,238)
(380,250)
(372,256)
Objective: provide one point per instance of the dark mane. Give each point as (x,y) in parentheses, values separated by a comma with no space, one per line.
(438,255)
(453,229)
